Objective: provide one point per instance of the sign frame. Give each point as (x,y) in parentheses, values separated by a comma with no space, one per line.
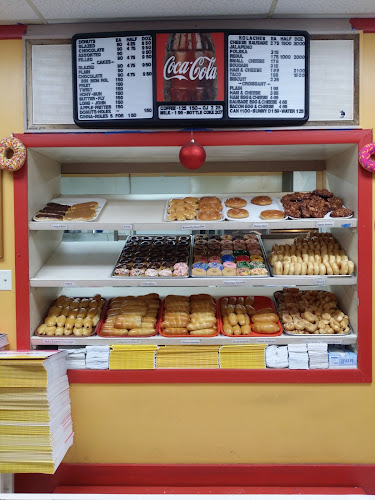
(195,123)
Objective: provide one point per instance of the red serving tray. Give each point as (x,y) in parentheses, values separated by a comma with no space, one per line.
(260,302)
(160,331)
(94,332)
(128,336)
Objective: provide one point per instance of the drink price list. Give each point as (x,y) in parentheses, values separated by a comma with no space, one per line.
(111,75)
(266,76)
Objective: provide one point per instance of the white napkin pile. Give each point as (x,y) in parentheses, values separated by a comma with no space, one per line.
(277,356)
(97,357)
(318,355)
(76,359)
(298,357)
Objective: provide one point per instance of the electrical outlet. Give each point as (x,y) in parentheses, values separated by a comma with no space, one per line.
(5,280)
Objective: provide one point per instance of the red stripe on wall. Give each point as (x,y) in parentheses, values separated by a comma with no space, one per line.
(13,32)
(201,475)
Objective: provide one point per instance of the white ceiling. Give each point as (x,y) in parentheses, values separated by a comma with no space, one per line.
(73,11)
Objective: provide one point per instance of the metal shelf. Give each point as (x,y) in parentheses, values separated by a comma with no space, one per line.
(218,340)
(90,264)
(147,215)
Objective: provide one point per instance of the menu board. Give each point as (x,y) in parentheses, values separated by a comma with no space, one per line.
(221,78)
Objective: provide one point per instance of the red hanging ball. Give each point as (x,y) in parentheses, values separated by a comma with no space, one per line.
(192,155)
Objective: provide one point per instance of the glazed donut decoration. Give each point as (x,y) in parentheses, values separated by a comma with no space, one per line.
(12,154)
(365,157)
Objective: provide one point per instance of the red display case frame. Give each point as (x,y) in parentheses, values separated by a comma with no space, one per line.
(363,374)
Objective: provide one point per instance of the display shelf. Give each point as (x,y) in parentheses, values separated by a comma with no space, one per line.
(147,215)
(218,340)
(91,264)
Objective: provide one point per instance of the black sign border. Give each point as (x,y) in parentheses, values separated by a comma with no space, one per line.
(197,123)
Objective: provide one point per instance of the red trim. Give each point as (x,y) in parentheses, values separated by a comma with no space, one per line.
(201,475)
(219,376)
(206,490)
(13,32)
(21,257)
(208,138)
(367,25)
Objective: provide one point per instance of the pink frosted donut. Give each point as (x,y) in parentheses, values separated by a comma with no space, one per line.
(12,154)
(365,157)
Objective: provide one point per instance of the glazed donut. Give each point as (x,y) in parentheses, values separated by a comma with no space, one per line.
(365,157)
(12,154)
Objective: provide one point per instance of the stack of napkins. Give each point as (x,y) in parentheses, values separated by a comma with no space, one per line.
(195,356)
(3,341)
(243,356)
(277,356)
(341,357)
(318,355)
(97,357)
(76,358)
(35,419)
(298,357)
(133,357)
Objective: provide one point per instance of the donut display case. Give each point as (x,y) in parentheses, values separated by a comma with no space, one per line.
(81,258)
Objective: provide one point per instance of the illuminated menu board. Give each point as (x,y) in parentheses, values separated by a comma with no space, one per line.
(153,79)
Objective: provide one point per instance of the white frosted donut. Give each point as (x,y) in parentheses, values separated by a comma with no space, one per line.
(12,154)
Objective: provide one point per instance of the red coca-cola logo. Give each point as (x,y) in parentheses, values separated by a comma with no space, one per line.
(203,68)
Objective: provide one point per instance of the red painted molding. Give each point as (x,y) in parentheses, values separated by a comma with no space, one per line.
(207,138)
(365,24)
(172,476)
(13,32)
(218,376)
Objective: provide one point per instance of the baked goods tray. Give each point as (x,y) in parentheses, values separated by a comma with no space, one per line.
(72,201)
(259,240)
(254,209)
(159,272)
(323,336)
(95,331)
(260,302)
(195,219)
(160,320)
(325,218)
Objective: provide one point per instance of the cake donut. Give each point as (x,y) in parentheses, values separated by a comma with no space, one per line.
(12,154)
(365,157)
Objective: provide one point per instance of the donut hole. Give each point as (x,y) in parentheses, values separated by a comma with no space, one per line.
(9,153)
(372,157)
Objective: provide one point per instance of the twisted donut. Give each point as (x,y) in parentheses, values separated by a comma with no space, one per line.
(12,154)
(365,157)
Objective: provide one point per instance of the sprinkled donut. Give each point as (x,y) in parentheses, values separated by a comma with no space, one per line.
(12,154)
(365,157)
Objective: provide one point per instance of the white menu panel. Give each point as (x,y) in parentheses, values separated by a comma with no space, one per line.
(266,76)
(114,78)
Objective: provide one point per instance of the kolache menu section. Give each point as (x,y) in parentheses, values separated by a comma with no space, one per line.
(266,76)
(182,78)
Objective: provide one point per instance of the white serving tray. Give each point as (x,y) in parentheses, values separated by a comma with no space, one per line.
(72,201)
(254,210)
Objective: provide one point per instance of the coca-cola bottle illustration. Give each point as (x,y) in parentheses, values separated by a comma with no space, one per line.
(190,72)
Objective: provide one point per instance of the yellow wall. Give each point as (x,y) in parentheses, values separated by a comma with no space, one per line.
(234,423)
(11,120)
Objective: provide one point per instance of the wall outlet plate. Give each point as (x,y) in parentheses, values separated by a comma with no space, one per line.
(5,280)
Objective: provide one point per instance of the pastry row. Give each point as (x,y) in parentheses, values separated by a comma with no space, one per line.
(199,315)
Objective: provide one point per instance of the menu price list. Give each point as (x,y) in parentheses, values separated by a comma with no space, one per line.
(114,78)
(199,111)
(266,76)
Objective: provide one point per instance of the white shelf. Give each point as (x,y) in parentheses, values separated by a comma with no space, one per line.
(219,340)
(90,264)
(147,215)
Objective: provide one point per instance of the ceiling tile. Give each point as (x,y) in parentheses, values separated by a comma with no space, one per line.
(73,11)
(16,11)
(325,8)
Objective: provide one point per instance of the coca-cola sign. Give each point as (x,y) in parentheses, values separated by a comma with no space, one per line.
(190,70)
(182,78)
